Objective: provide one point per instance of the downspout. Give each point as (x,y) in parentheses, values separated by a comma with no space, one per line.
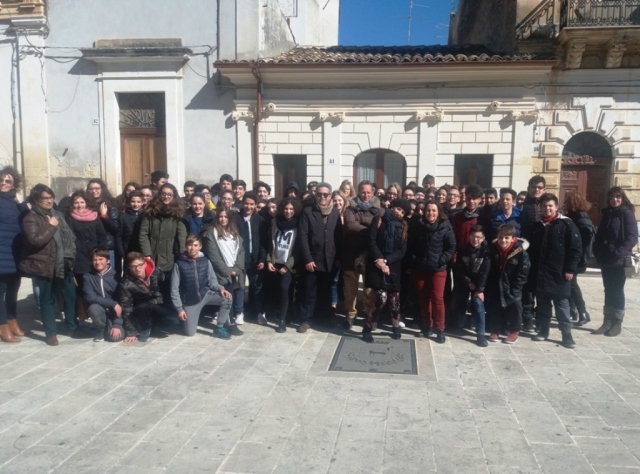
(19,163)
(256,126)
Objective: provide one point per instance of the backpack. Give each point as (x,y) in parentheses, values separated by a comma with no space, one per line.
(588,235)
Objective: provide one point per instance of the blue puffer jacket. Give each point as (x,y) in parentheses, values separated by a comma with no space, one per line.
(9,230)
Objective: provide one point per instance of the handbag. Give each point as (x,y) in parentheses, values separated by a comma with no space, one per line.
(632,265)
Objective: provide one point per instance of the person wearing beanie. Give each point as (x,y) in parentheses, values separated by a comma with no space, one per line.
(293,190)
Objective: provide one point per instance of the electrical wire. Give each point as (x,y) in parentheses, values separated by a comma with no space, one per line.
(72,99)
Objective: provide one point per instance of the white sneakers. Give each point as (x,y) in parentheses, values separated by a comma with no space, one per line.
(240,319)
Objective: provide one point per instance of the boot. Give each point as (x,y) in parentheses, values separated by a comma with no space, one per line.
(543,333)
(282,326)
(366,334)
(6,335)
(616,323)
(440,337)
(608,321)
(14,328)
(396,333)
(567,341)
(583,318)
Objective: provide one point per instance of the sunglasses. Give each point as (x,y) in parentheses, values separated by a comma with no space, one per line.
(323,195)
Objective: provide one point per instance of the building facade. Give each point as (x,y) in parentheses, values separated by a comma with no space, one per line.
(117,89)
(561,101)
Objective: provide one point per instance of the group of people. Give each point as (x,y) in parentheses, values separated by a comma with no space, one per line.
(435,259)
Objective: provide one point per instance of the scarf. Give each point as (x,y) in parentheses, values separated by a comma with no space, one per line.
(470,214)
(504,253)
(87,215)
(325,210)
(547,220)
(284,225)
(64,240)
(364,206)
(393,231)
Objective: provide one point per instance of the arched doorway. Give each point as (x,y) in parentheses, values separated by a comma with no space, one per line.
(586,167)
(380,166)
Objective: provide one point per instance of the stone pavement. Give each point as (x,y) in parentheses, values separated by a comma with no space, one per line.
(253,405)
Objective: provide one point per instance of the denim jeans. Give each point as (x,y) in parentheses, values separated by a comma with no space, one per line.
(563,313)
(9,287)
(613,279)
(48,289)
(478,313)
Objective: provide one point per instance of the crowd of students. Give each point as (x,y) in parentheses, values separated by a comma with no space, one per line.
(434,259)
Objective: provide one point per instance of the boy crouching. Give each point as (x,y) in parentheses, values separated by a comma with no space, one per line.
(194,285)
(99,293)
(509,271)
(141,299)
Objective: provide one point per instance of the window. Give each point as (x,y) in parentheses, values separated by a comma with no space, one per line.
(382,167)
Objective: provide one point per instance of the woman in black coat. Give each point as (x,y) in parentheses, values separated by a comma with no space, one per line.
(431,247)
(100,198)
(387,246)
(198,216)
(9,277)
(89,232)
(576,208)
(616,237)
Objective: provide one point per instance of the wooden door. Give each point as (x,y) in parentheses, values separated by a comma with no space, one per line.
(142,152)
(590,177)
(289,168)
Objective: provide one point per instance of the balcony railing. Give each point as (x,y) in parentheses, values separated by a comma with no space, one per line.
(598,13)
(538,23)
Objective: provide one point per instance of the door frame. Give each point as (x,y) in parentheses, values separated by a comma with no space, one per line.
(586,162)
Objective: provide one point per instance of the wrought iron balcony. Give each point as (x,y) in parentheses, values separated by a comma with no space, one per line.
(599,13)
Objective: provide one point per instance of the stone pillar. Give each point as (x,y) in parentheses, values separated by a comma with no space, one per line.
(522,152)
(427,148)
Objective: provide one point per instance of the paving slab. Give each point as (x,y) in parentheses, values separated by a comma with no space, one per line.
(265,402)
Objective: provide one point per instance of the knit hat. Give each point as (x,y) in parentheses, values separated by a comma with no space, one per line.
(293,185)
(403,204)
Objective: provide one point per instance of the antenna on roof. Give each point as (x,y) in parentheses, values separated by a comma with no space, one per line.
(411,5)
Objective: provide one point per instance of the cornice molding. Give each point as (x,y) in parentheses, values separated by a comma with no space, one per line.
(331,116)
(242,115)
(431,115)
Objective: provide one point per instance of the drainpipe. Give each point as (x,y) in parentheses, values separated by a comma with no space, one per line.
(20,163)
(256,126)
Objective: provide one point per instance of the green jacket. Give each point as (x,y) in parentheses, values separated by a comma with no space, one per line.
(162,238)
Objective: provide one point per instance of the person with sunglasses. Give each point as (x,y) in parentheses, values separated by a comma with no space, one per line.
(320,236)
(387,246)
(616,237)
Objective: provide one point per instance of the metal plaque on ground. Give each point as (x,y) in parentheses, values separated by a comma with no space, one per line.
(383,356)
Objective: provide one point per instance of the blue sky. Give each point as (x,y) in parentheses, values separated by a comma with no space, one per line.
(385,22)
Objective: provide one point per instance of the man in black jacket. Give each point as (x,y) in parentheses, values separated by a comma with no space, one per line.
(556,250)
(250,224)
(528,217)
(319,241)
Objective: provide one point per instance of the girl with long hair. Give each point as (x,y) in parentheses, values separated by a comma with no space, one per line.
(616,237)
(198,215)
(162,232)
(223,246)
(122,200)
(576,208)
(282,255)
(100,199)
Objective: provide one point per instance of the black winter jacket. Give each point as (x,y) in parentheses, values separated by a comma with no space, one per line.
(9,230)
(111,224)
(431,246)
(585,227)
(472,266)
(88,236)
(530,215)
(555,249)
(132,292)
(319,242)
(207,219)
(128,239)
(254,250)
(374,278)
(616,236)
(504,285)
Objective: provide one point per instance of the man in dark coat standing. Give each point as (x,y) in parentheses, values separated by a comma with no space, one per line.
(556,250)
(528,217)
(320,234)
